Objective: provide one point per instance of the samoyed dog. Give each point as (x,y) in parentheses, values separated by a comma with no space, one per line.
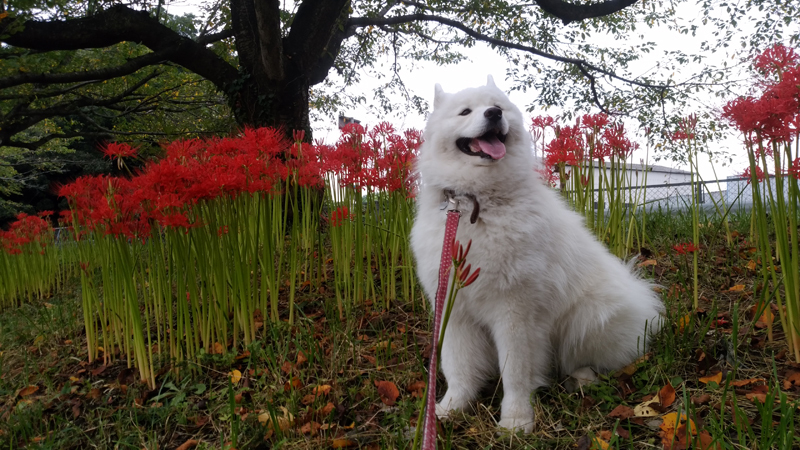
(550,299)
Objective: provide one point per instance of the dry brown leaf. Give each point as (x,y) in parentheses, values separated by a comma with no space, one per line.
(99,370)
(666,395)
(191,443)
(701,399)
(310,428)
(294,383)
(649,262)
(218,349)
(740,383)
(717,378)
(792,378)
(343,443)
(327,409)
(301,358)
(28,390)
(388,392)
(736,288)
(621,412)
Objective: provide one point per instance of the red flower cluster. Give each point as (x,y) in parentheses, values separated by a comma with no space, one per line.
(686,247)
(115,150)
(759,175)
(27,230)
(378,158)
(571,143)
(339,215)
(256,161)
(775,114)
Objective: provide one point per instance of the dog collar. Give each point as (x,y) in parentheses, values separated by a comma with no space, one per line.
(452,201)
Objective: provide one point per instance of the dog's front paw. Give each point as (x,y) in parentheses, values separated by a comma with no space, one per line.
(442,411)
(514,424)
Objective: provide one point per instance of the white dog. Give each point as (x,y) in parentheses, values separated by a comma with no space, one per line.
(550,298)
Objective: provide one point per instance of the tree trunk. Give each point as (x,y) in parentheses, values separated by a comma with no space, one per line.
(277,71)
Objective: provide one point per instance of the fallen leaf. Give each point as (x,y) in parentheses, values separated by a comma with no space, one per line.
(98,370)
(217,349)
(740,383)
(343,443)
(301,358)
(310,428)
(94,394)
(645,409)
(706,441)
(666,395)
(622,412)
(28,390)
(683,322)
(701,399)
(717,378)
(244,354)
(235,376)
(294,383)
(649,262)
(327,409)
(388,392)
(736,288)
(191,443)
(751,265)
(792,379)
(674,433)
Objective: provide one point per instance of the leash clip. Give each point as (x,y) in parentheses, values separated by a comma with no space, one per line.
(451,202)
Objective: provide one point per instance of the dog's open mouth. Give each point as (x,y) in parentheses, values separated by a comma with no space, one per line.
(490,145)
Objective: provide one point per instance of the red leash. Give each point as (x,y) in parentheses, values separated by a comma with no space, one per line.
(451,226)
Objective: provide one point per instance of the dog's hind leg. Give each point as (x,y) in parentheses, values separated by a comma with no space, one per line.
(468,361)
(583,376)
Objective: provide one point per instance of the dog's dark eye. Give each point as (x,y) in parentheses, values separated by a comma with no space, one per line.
(465,112)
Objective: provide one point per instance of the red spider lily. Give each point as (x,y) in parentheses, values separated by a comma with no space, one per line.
(27,232)
(542,122)
(684,248)
(595,121)
(459,256)
(774,115)
(760,176)
(618,143)
(566,148)
(339,215)
(686,128)
(776,59)
(794,169)
(117,150)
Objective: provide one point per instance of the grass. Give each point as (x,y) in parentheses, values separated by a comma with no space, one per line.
(51,398)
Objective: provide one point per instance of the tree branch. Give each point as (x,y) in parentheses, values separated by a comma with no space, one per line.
(579,63)
(571,12)
(105,73)
(117,24)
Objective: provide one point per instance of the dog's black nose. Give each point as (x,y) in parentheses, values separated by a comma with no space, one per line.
(494,114)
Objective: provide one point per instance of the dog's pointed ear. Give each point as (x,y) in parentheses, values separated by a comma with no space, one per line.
(438,95)
(490,81)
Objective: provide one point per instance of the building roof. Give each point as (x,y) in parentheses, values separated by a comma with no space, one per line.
(648,167)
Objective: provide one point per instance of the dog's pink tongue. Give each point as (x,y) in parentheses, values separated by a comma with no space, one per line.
(492,147)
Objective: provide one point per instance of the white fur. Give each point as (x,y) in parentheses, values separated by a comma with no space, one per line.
(550,298)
